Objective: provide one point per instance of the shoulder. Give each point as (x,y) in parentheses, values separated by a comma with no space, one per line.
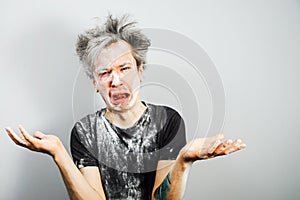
(86,124)
(163,110)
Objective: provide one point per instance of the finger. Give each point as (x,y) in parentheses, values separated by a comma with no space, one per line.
(235,146)
(39,135)
(228,142)
(220,148)
(15,137)
(221,136)
(214,141)
(214,146)
(241,145)
(218,136)
(26,135)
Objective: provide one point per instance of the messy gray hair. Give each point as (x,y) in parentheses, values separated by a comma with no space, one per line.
(92,41)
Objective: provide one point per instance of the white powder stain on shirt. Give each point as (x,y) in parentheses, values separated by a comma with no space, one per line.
(121,155)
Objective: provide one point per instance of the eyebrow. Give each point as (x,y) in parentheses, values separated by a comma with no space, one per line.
(101,68)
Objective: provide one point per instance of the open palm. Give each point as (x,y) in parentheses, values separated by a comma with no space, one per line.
(40,142)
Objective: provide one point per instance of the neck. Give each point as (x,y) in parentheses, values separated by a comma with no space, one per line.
(127,118)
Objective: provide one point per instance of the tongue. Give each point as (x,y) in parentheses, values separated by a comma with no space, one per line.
(119,96)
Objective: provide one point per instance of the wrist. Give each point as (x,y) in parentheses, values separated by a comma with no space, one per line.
(182,163)
(59,152)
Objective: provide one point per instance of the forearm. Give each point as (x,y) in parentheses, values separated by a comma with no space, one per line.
(77,186)
(173,185)
(178,179)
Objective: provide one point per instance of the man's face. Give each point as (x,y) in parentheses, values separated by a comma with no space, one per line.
(117,77)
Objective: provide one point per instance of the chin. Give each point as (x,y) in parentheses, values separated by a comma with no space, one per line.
(120,107)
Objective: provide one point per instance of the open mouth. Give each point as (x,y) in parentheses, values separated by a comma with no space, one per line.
(119,98)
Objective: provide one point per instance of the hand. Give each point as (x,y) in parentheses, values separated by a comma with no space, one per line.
(48,144)
(210,147)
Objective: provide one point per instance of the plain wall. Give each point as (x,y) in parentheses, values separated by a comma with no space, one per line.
(254,45)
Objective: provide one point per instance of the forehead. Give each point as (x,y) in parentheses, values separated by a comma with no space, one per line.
(114,54)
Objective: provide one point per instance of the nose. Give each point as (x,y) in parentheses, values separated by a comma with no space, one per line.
(115,79)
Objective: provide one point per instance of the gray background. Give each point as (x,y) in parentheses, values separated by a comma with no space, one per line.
(254,45)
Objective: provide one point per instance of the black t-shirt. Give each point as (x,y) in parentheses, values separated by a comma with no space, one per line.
(127,158)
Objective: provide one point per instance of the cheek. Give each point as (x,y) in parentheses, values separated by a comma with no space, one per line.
(132,80)
(104,94)
(103,87)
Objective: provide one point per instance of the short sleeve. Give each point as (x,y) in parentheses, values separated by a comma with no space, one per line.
(173,138)
(82,155)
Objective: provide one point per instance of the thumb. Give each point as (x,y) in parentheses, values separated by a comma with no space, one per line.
(218,137)
(39,135)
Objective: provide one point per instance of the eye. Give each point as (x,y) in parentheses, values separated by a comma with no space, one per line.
(124,68)
(103,74)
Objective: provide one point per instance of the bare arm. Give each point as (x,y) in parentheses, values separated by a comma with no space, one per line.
(171,176)
(83,184)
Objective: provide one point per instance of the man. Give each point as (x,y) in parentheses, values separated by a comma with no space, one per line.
(130,149)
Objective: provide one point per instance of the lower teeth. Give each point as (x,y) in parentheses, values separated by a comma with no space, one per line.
(119,97)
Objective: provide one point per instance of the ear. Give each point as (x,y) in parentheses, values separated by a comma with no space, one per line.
(95,85)
(141,71)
